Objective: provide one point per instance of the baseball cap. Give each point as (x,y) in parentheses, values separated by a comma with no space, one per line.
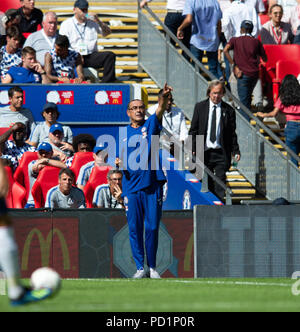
(82,4)
(56,127)
(45,147)
(50,106)
(248,25)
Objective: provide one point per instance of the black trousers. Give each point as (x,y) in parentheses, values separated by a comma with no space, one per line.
(215,161)
(106,60)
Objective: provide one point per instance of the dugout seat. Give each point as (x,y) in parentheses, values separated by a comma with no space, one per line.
(8,4)
(4,130)
(17,194)
(21,173)
(264,19)
(98,177)
(47,178)
(80,159)
(9,197)
(284,68)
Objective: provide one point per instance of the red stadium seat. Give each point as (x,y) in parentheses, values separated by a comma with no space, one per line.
(80,159)
(21,174)
(276,53)
(9,197)
(98,177)
(47,178)
(18,195)
(8,4)
(264,19)
(4,130)
(283,68)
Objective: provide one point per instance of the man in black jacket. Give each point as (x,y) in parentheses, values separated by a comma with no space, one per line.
(215,120)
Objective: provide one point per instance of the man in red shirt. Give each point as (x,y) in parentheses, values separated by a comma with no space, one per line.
(247,54)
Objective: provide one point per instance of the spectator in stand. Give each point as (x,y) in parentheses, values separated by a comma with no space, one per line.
(43,40)
(100,159)
(41,132)
(13,113)
(31,17)
(289,104)
(82,143)
(216,121)
(65,195)
(83,36)
(174,19)
(258,5)
(45,158)
(62,149)
(288,7)
(10,54)
(247,53)
(297,37)
(205,18)
(276,32)
(10,18)
(14,149)
(173,121)
(295,18)
(109,196)
(61,63)
(31,70)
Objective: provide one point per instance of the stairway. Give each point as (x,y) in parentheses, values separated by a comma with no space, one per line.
(122,18)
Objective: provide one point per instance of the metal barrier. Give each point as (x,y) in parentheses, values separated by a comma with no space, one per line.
(272,173)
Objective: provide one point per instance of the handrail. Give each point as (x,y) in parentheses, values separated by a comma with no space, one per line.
(198,64)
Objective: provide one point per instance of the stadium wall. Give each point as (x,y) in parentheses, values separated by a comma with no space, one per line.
(95,244)
(247,241)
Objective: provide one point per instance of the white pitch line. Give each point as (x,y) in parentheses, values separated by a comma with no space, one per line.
(196,281)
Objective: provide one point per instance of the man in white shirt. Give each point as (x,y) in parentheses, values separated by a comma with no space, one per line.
(173,122)
(83,36)
(43,40)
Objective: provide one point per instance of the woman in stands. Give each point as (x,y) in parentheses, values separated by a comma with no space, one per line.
(289,104)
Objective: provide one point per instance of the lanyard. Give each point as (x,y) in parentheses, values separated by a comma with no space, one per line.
(83,32)
(278,39)
(51,43)
(170,126)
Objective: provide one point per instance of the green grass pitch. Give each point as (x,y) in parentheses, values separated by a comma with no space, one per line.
(167,295)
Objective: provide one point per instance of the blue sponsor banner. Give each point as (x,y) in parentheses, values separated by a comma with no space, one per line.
(84,103)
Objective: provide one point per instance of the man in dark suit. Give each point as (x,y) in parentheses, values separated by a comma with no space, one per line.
(215,120)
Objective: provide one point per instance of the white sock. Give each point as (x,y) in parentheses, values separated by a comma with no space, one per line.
(9,262)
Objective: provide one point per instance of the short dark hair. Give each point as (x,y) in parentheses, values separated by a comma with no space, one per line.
(275,5)
(28,50)
(13,90)
(83,138)
(66,171)
(62,41)
(14,32)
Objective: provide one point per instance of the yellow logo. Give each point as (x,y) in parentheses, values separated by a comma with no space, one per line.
(45,246)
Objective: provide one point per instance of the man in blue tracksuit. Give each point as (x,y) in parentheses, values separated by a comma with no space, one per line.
(143,181)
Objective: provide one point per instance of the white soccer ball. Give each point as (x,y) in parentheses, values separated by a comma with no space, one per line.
(45,277)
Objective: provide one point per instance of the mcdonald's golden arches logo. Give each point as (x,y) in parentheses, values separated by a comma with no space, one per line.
(45,247)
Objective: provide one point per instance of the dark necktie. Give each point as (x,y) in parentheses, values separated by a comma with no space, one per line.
(213,125)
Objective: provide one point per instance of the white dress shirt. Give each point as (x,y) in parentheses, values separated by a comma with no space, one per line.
(234,15)
(208,143)
(173,122)
(80,34)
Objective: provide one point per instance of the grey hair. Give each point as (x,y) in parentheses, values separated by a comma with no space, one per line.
(49,13)
(113,171)
(214,83)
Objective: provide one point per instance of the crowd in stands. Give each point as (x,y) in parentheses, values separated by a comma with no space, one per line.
(33,50)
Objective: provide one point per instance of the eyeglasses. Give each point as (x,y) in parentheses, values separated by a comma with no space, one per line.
(135,108)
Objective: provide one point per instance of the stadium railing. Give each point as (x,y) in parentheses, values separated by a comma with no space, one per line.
(271,172)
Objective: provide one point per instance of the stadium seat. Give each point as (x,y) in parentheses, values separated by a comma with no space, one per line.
(267,71)
(80,159)
(8,4)
(47,178)
(9,197)
(3,130)
(264,19)
(98,177)
(18,195)
(283,68)
(21,173)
